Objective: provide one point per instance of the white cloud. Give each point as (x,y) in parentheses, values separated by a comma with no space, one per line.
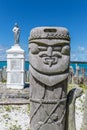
(2,53)
(1,49)
(74,57)
(80,48)
(79,54)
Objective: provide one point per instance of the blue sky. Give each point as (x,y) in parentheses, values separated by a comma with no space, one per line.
(71,14)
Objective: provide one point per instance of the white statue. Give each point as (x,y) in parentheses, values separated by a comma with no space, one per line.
(16,31)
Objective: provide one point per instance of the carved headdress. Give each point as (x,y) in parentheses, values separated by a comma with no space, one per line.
(49,33)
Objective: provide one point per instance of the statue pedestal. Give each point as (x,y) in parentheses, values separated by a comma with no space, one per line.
(15,67)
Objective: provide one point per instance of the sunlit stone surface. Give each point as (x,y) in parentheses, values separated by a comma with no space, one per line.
(49,57)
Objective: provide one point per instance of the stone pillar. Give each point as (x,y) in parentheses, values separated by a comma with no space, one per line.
(83,70)
(4,74)
(0,75)
(49,57)
(77,71)
(84,121)
(15,64)
(71,75)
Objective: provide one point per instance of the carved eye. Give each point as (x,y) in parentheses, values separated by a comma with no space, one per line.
(57,48)
(42,48)
(34,48)
(66,50)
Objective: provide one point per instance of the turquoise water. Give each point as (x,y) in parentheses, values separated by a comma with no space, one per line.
(80,64)
(73,64)
(2,64)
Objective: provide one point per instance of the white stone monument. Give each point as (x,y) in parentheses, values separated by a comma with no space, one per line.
(15,63)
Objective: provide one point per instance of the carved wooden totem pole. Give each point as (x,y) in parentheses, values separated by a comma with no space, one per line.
(49,57)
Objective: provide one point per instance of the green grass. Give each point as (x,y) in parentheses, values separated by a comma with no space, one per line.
(8,108)
(14,127)
(71,86)
(84,87)
(6,116)
(28,110)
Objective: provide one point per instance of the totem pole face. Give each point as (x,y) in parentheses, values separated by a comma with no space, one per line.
(49,51)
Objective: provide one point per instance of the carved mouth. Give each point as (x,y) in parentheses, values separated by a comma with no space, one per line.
(50,60)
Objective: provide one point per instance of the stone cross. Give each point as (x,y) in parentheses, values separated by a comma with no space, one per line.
(16,31)
(49,57)
(83,70)
(77,71)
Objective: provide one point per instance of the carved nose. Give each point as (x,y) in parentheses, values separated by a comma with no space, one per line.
(49,51)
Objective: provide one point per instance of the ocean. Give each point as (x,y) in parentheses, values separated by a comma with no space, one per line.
(80,64)
(72,63)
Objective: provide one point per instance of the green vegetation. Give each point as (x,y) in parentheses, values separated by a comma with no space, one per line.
(71,86)
(28,108)
(14,127)
(84,87)
(4,81)
(8,108)
(12,121)
(6,116)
